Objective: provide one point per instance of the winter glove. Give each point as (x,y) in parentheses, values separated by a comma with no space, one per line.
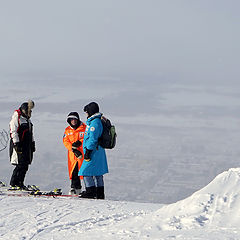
(33,147)
(77,153)
(87,155)
(17,147)
(76,144)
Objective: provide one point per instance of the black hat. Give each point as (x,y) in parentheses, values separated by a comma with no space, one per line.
(73,115)
(24,107)
(27,107)
(91,108)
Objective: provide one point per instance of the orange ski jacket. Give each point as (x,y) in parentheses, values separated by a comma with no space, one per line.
(70,136)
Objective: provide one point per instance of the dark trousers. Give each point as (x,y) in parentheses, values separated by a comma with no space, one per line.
(76,182)
(18,175)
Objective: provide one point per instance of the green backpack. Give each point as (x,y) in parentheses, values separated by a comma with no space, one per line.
(109,135)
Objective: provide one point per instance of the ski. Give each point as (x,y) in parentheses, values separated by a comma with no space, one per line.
(43,194)
(55,192)
(29,190)
(32,190)
(31,193)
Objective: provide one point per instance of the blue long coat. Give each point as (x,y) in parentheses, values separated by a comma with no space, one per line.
(98,164)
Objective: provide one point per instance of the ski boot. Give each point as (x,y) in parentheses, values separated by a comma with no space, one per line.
(15,188)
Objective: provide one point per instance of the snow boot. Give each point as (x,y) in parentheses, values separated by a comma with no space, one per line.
(75,191)
(89,193)
(100,193)
(72,191)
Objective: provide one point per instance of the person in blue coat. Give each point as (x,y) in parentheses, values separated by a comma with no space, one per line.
(94,165)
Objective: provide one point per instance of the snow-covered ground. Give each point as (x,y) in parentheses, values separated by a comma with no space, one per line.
(211,213)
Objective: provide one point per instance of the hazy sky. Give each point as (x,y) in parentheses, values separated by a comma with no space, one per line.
(187,39)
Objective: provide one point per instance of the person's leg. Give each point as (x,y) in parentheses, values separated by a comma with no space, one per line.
(100,187)
(90,188)
(99,181)
(15,179)
(89,181)
(23,168)
(75,182)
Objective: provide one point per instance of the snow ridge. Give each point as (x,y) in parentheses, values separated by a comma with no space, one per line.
(217,204)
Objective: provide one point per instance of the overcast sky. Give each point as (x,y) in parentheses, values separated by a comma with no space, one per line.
(187,39)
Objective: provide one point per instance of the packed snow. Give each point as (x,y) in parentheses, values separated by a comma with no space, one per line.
(211,213)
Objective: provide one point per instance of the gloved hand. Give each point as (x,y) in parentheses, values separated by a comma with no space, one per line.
(77,153)
(17,147)
(33,147)
(76,144)
(87,155)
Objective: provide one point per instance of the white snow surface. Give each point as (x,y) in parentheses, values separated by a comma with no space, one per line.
(210,213)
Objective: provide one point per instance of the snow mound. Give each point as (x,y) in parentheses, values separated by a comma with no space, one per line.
(216,205)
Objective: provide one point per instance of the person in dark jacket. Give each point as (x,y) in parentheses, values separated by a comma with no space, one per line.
(94,165)
(22,143)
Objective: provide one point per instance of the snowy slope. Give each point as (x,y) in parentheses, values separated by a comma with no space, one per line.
(210,213)
(216,205)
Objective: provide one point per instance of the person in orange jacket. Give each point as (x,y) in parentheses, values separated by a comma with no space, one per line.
(72,140)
